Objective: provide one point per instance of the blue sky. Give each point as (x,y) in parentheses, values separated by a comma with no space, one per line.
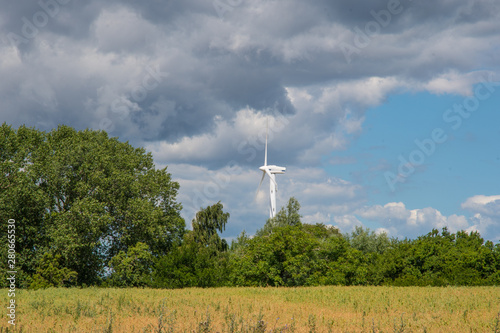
(466,164)
(347,87)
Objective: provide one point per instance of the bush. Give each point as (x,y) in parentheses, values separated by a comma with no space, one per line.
(50,274)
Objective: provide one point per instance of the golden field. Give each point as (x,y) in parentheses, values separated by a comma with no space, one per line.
(305,309)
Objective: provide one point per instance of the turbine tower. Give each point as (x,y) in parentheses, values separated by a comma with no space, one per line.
(271,171)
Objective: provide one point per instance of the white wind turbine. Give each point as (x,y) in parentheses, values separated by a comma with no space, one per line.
(271,171)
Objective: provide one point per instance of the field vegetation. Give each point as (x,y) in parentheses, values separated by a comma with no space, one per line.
(305,309)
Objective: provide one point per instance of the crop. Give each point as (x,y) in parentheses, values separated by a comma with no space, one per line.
(306,309)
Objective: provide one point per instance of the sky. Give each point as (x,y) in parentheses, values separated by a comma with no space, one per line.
(385,113)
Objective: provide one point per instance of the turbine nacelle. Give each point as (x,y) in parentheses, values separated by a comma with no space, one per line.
(273,169)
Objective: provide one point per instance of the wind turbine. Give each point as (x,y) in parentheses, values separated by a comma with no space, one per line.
(271,171)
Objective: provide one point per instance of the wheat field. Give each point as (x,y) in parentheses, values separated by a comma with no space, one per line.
(306,309)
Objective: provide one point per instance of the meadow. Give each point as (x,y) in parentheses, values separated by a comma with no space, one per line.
(305,309)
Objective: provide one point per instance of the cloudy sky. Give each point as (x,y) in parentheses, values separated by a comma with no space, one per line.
(385,113)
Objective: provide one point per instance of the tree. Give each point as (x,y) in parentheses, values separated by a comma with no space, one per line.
(50,274)
(287,257)
(132,268)
(321,231)
(84,196)
(206,224)
(287,216)
(441,259)
(21,200)
(202,259)
(368,241)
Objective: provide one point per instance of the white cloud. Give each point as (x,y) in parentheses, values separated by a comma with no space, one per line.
(482,224)
(317,217)
(380,231)
(399,220)
(453,82)
(424,217)
(346,223)
(486,219)
(457,222)
(392,210)
(248,126)
(487,205)
(366,92)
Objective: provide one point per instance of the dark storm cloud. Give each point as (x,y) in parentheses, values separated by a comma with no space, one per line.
(165,11)
(439,13)
(30,19)
(155,70)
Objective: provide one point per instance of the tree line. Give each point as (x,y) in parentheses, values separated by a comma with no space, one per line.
(93,211)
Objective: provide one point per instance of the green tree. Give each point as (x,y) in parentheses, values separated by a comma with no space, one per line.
(177,269)
(287,257)
(84,196)
(22,200)
(132,268)
(202,258)
(49,273)
(367,241)
(240,242)
(287,216)
(206,224)
(441,259)
(321,231)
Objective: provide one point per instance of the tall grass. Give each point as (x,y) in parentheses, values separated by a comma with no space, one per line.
(312,309)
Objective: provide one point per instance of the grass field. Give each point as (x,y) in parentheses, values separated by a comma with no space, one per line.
(315,309)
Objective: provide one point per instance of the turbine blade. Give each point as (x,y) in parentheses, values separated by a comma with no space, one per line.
(265,154)
(261,180)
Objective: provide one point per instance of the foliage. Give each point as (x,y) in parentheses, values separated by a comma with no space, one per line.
(288,216)
(206,224)
(90,209)
(84,196)
(132,268)
(50,274)
(22,200)
(309,255)
(191,265)
(240,243)
(284,258)
(201,259)
(321,231)
(368,241)
(440,259)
